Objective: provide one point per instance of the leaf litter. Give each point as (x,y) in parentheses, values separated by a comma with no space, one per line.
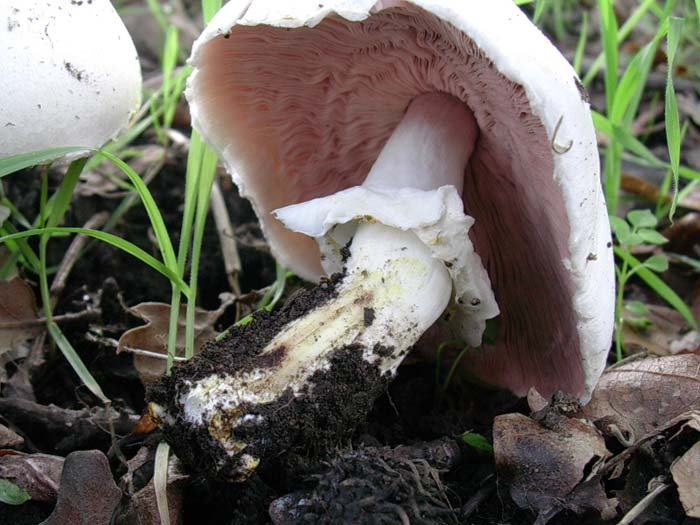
(685,472)
(19,321)
(148,342)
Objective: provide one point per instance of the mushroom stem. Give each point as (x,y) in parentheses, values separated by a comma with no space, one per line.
(429,148)
(393,290)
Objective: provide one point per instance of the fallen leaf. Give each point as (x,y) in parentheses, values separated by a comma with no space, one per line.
(87,494)
(38,474)
(543,465)
(663,331)
(141,508)
(684,235)
(9,438)
(635,398)
(686,474)
(535,400)
(149,342)
(18,314)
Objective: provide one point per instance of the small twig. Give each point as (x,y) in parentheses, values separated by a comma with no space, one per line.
(153,355)
(63,318)
(643,504)
(477,499)
(66,429)
(154,81)
(227,240)
(647,438)
(113,436)
(181,19)
(646,118)
(72,255)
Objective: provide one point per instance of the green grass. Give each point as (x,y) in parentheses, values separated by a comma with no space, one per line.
(654,26)
(624,94)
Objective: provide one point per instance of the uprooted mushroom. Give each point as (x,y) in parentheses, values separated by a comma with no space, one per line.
(441,157)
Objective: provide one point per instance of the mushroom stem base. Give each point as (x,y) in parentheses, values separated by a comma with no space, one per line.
(314,376)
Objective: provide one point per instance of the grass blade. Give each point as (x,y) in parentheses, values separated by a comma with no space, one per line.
(64,194)
(75,362)
(623,33)
(633,81)
(160,481)
(656,284)
(109,238)
(21,247)
(15,163)
(673,128)
(581,44)
(207,172)
(539,11)
(209,9)
(159,229)
(608,34)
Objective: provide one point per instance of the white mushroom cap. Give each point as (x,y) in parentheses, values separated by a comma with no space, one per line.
(71,74)
(303,113)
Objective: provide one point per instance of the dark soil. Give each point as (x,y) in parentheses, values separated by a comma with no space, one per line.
(336,399)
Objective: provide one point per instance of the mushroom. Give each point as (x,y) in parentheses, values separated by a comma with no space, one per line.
(441,155)
(71,75)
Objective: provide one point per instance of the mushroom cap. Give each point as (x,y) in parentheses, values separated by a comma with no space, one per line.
(71,75)
(298,99)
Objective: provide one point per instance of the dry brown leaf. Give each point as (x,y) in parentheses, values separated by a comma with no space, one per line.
(686,474)
(666,333)
(9,438)
(37,474)
(635,398)
(683,235)
(152,338)
(87,494)
(18,315)
(535,400)
(543,465)
(141,507)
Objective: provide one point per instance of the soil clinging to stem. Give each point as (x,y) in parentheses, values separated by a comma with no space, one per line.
(335,400)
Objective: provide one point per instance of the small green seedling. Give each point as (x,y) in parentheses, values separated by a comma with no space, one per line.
(476,441)
(637,230)
(11,494)
(638,319)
